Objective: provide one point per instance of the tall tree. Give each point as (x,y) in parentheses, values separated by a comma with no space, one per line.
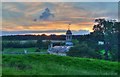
(109,29)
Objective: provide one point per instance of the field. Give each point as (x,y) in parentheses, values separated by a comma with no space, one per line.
(22,49)
(19,49)
(56,65)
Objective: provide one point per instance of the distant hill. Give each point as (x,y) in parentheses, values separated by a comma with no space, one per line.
(56,65)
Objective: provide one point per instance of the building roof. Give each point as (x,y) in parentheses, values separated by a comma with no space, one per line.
(59,49)
(68,32)
(68,43)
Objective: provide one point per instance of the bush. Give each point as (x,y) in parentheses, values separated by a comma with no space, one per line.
(82,50)
(37,50)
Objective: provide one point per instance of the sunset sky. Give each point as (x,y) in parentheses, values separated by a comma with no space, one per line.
(32,18)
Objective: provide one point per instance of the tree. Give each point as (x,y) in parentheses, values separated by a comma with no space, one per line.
(39,44)
(75,41)
(109,30)
(82,50)
(45,44)
(2,48)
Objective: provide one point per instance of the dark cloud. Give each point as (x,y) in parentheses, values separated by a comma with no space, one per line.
(46,15)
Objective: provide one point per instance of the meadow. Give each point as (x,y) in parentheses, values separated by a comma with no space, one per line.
(19,49)
(31,64)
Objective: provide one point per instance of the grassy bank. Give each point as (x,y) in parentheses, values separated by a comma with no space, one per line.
(56,65)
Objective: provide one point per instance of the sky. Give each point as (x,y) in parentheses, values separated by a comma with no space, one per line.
(60,0)
(54,17)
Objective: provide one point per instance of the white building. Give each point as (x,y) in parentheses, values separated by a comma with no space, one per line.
(61,50)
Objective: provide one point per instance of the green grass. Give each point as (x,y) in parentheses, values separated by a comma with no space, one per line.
(56,65)
(19,49)
(22,49)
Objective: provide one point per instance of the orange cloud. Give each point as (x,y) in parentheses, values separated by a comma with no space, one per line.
(49,25)
(86,23)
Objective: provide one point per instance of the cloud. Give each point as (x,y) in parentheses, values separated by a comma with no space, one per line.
(86,23)
(81,32)
(46,15)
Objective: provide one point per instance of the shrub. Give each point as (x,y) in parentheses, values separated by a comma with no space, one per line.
(82,50)
(37,50)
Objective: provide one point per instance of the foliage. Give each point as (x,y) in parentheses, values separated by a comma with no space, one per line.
(109,30)
(33,37)
(102,52)
(45,44)
(82,50)
(75,42)
(39,44)
(37,50)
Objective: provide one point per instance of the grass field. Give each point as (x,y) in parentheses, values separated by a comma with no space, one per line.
(22,49)
(56,65)
(19,49)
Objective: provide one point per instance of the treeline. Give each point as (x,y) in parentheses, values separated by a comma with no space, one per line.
(44,37)
(33,37)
